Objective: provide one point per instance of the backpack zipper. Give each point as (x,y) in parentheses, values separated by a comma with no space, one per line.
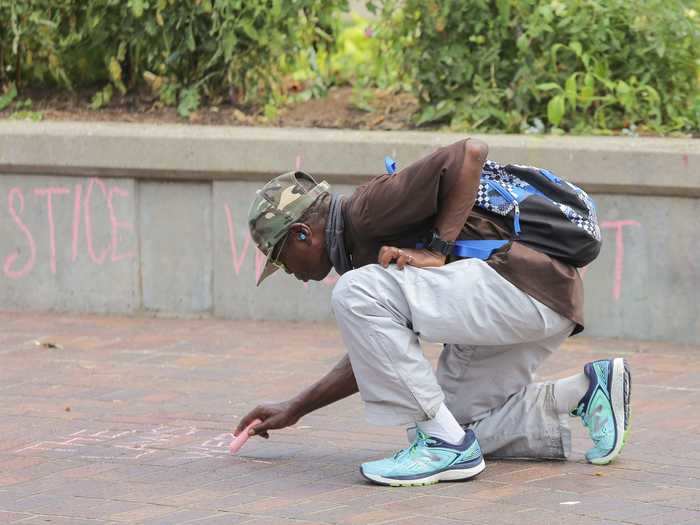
(511,199)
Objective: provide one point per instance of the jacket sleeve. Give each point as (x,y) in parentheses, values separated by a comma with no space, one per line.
(391,204)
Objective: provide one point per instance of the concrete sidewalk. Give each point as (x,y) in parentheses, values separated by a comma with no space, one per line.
(123,420)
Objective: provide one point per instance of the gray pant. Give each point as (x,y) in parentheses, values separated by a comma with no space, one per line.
(495,336)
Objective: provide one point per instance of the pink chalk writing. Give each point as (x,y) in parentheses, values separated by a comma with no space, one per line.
(116,224)
(49,192)
(237,260)
(10,259)
(619,252)
(88,205)
(88,221)
(76,220)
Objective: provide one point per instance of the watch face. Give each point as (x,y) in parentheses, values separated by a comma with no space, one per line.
(439,245)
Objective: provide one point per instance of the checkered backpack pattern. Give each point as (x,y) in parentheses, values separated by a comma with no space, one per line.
(549,213)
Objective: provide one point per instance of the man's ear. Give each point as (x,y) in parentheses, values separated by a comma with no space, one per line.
(300,232)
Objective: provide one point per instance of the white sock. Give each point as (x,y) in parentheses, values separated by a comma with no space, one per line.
(443,426)
(569,391)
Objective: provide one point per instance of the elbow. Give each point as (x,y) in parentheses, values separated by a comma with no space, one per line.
(476,150)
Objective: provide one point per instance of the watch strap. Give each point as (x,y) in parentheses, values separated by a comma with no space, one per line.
(439,245)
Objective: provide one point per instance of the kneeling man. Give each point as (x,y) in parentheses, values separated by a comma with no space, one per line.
(499,316)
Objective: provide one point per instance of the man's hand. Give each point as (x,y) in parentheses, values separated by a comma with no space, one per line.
(409,256)
(272,415)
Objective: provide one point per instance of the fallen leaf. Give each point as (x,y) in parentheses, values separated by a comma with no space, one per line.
(48,344)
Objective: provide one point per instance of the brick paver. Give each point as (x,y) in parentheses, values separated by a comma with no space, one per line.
(128,420)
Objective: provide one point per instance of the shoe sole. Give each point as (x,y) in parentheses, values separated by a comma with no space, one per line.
(445,475)
(621,392)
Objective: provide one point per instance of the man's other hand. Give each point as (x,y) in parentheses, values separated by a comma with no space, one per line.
(272,415)
(408,256)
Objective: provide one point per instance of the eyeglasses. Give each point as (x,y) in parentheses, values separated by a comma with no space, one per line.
(276,251)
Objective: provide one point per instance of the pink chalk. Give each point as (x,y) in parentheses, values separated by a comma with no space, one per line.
(240,439)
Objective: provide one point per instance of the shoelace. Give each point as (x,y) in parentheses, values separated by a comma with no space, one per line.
(421,439)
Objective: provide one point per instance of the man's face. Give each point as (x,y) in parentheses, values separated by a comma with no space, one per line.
(303,254)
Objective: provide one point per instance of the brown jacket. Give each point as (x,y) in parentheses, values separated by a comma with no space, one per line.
(400,210)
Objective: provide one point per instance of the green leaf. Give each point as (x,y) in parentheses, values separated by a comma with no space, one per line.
(115,74)
(622,88)
(440,112)
(249,30)
(625,95)
(189,102)
(191,43)
(576,47)
(586,59)
(137,7)
(548,86)
(523,43)
(503,10)
(601,69)
(555,110)
(661,49)
(8,97)
(554,50)
(121,51)
(102,97)
(586,95)
(229,44)
(115,70)
(270,111)
(168,94)
(276,8)
(570,89)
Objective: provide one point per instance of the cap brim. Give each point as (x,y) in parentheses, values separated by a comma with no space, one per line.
(268,270)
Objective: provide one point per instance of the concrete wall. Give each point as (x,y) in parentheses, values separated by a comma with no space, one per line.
(152,219)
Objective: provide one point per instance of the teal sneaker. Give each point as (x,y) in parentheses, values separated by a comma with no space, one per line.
(427,461)
(605,409)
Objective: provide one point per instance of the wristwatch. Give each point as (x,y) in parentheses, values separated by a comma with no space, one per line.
(438,245)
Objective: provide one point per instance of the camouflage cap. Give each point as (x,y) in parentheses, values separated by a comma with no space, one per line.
(278,205)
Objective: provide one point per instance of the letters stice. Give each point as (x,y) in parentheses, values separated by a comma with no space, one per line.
(20,262)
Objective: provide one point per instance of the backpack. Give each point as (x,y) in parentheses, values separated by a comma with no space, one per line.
(550,214)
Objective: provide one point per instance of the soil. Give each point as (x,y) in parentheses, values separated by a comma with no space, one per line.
(339,109)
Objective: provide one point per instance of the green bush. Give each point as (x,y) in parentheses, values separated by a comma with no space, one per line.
(355,59)
(580,65)
(183,50)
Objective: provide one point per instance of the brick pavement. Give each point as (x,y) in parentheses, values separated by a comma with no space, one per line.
(124,420)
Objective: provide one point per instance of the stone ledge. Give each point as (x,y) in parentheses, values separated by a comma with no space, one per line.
(617,165)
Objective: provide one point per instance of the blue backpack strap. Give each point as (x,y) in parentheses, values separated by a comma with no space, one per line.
(477,249)
(473,249)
